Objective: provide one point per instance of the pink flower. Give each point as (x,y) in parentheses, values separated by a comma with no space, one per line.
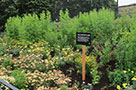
(89,84)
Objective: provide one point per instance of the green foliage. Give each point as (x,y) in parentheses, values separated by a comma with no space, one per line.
(87,87)
(32,6)
(91,64)
(64,88)
(20,79)
(20,7)
(117,77)
(65,56)
(125,43)
(7,9)
(12,27)
(134,84)
(99,24)
(2,49)
(91,68)
(7,62)
(96,76)
(67,29)
(31,28)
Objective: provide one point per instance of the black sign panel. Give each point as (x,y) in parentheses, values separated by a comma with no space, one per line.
(83,38)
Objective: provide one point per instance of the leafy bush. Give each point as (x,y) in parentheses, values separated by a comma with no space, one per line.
(31,28)
(129,81)
(99,24)
(20,79)
(7,62)
(117,77)
(3,45)
(125,43)
(91,63)
(91,67)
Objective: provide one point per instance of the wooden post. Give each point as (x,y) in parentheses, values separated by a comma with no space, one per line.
(83,63)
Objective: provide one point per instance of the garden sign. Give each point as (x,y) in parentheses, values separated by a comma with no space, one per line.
(83,39)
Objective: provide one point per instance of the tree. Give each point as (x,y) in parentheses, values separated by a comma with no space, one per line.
(7,9)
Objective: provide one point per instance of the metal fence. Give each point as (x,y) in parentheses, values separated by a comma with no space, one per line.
(11,87)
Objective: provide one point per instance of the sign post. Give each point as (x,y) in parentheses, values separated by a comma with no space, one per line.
(84,39)
(83,63)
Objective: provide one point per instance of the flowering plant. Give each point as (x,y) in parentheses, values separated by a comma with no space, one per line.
(87,87)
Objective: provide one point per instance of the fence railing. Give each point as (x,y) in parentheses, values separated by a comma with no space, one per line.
(11,87)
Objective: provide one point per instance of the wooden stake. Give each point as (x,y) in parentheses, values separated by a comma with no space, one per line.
(83,62)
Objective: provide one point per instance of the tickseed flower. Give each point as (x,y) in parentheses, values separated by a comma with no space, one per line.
(29,50)
(61,58)
(72,54)
(125,85)
(57,58)
(68,48)
(134,78)
(31,46)
(132,72)
(20,52)
(125,71)
(48,53)
(118,87)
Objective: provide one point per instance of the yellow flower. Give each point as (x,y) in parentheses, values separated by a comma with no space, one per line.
(134,78)
(61,58)
(68,48)
(48,53)
(125,85)
(125,71)
(118,87)
(20,52)
(65,53)
(29,50)
(53,66)
(72,54)
(132,72)
(57,58)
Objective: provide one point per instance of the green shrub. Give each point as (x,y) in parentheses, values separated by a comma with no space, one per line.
(134,84)
(31,28)
(117,77)
(125,44)
(20,79)
(7,63)
(13,26)
(99,24)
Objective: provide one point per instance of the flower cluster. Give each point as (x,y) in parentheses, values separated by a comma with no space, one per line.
(67,55)
(130,84)
(32,62)
(50,79)
(91,62)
